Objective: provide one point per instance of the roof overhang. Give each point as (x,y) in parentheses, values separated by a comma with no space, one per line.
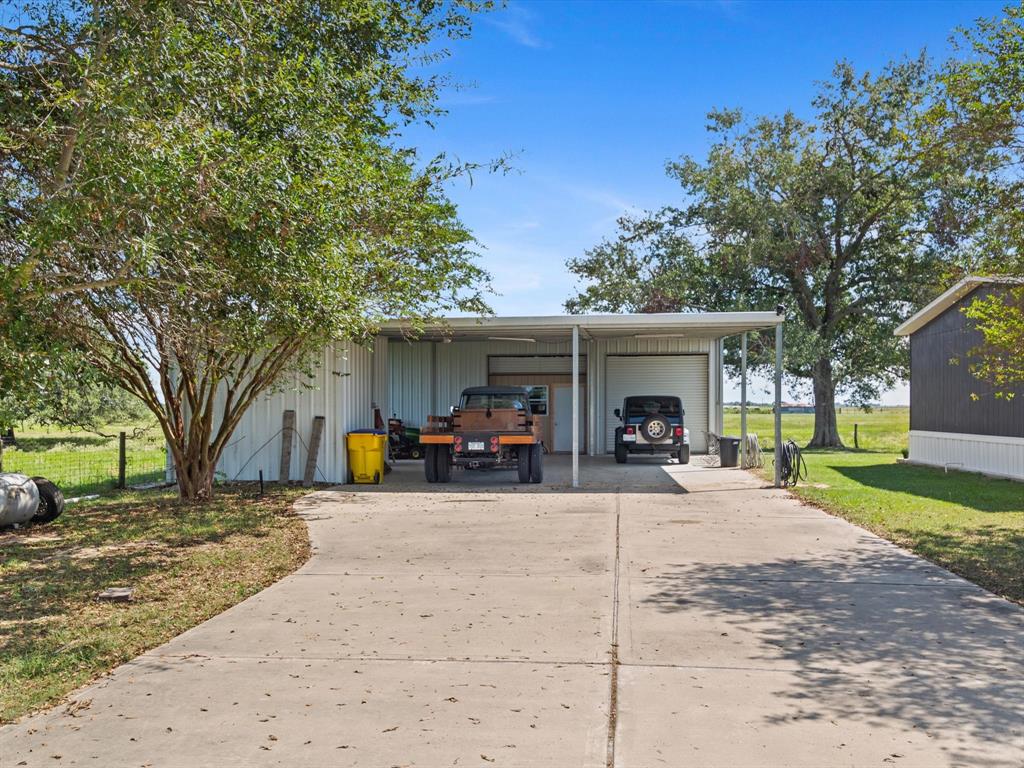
(946,300)
(702,325)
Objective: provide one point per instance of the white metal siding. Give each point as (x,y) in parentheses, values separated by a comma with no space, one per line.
(685,376)
(533,364)
(1001,456)
(340,391)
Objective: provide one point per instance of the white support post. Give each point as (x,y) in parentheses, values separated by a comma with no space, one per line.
(743,400)
(778,405)
(575,406)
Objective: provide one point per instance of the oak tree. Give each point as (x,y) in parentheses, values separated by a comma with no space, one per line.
(829,216)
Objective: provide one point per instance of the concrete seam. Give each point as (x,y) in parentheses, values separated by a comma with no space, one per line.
(613,685)
(364,659)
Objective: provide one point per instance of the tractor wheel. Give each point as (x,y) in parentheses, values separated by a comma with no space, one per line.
(536,463)
(51,501)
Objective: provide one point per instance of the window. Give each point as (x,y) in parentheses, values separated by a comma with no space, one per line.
(642,407)
(496,401)
(539,399)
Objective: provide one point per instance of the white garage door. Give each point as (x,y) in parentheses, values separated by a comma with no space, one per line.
(685,376)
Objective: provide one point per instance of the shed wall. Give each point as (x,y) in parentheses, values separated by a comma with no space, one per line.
(946,397)
(341,391)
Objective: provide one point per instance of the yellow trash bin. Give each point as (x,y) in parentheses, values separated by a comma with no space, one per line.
(366,455)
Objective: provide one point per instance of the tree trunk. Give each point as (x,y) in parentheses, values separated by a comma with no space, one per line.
(826,430)
(195,476)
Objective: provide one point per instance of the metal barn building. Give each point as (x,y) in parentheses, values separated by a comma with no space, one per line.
(956,421)
(614,355)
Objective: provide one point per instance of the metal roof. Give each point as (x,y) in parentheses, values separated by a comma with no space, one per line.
(711,325)
(946,300)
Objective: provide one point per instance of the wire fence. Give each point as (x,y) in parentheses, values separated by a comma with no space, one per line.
(88,465)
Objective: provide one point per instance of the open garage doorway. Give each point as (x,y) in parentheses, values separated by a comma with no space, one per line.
(685,376)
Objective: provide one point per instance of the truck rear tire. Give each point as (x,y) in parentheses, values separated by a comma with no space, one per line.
(444,464)
(524,463)
(430,463)
(536,463)
(621,454)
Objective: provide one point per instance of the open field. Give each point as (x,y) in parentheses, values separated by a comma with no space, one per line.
(186,564)
(883,429)
(81,462)
(970,524)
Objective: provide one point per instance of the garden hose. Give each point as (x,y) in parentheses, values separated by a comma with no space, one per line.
(794,468)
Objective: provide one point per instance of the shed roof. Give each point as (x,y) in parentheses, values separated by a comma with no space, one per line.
(946,300)
(559,327)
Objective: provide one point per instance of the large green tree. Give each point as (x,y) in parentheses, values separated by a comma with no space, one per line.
(982,120)
(831,217)
(199,194)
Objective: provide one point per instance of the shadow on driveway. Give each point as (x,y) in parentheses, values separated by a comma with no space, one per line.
(869,641)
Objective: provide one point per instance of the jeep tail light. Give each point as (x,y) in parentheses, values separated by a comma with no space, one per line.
(630,430)
(679,431)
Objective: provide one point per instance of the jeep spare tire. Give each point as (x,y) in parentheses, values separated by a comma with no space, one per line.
(654,428)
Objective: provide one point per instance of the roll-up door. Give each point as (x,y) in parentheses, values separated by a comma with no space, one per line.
(685,376)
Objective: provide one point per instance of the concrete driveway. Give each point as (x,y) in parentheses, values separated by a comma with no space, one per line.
(661,616)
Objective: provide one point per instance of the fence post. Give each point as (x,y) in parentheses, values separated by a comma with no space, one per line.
(856,443)
(287,430)
(122,460)
(314,450)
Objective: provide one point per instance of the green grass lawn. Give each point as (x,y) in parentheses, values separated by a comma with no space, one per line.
(186,564)
(81,462)
(970,524)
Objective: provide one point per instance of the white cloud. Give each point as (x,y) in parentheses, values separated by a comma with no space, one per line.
(517,22)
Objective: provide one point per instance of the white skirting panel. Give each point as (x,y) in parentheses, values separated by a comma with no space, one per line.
(992,455)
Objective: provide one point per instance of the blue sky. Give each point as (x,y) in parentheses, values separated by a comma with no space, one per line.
(594,98)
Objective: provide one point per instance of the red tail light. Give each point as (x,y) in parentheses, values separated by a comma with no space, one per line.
(630,430)
(679,431)
(494,443)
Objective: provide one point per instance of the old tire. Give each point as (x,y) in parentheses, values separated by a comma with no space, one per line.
(51,501)
(524,463)
(684,454)
(655,428)
(621,454)
(430,463)
(536,463)
(444,464)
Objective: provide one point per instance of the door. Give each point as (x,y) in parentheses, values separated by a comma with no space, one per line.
(563,419)
(685,376)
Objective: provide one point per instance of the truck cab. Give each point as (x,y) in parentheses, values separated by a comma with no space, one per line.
(491,428)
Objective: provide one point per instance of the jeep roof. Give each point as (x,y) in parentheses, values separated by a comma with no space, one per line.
(641,406)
